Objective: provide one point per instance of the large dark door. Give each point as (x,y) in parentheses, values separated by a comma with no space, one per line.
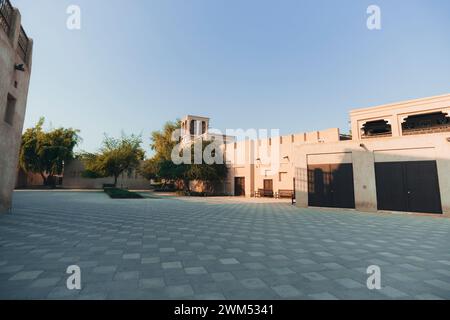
(268,185)
(408,186)
(331,185)
(239,186)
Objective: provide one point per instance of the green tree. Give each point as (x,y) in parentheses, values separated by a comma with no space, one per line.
(162,142)
(45,153)
(162,167)
(115,157)
(150,169)
(208,173)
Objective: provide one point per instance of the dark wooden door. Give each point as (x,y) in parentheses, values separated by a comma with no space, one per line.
(239,186)
(408,186)
(331,185)
(391,187)
(319,186)
(268,185)
(342,186)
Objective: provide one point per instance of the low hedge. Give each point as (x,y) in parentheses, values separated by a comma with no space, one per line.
(116,193)
(201,194)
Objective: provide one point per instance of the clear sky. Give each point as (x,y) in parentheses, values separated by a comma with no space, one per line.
(289,64)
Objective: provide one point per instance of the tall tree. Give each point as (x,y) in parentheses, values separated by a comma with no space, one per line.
(161,165)
(162,142)
(45,153)
(150,169)
(208,173)
(115,157)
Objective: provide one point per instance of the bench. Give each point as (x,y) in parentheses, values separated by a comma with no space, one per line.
(285,194)
(265,193)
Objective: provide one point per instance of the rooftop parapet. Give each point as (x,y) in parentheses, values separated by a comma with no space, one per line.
(10,24)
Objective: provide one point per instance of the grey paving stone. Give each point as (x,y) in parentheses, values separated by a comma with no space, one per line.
(151,260)
(45,282)
(393,293)
(10,269)
(322,296)
(223,276)
(287,291)
(427,296)
(313,276)
(152,283)
(172,265)
(282,271)
(253,283)
(195,270)
(210,296)
(131,256)
(126,275)
(26,275)
(105,269)
(349,283)
(439,284)
(137,250)
(179,292)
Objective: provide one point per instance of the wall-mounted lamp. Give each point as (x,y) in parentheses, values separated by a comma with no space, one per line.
(448,139)
(20,67)
(362,145)
(286,158)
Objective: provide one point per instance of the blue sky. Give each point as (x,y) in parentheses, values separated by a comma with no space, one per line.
(290,64)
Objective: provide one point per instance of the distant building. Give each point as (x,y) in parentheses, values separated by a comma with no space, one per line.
(397,159)
(15,69)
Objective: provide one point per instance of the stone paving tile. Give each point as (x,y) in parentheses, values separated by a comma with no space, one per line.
(287,291)
(172,265)
(349,283)
(229,261)
(152,283)
(26,275)
(45,282)
(222,248)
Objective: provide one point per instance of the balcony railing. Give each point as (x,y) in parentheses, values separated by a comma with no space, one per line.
(22,48)
(6,13)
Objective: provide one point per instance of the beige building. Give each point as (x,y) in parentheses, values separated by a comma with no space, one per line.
(15,68)
(398,159)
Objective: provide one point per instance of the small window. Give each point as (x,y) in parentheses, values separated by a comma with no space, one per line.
(426,123)
(203,127)
(10,110)
(376,129)
(293,138)
(192,127)
(270,141)
(281,140)
(281,176)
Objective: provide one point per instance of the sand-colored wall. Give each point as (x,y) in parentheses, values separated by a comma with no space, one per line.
(365,153)
(14,83)
(270,158)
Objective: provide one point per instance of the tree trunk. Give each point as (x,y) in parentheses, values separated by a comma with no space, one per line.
(44,178)
(115,181)
(186,185)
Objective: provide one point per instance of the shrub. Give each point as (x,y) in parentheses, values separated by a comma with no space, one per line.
(116,193)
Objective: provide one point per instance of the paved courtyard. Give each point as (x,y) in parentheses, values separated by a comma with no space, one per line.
(176,248)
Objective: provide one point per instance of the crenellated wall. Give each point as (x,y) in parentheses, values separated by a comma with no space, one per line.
(14,85)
